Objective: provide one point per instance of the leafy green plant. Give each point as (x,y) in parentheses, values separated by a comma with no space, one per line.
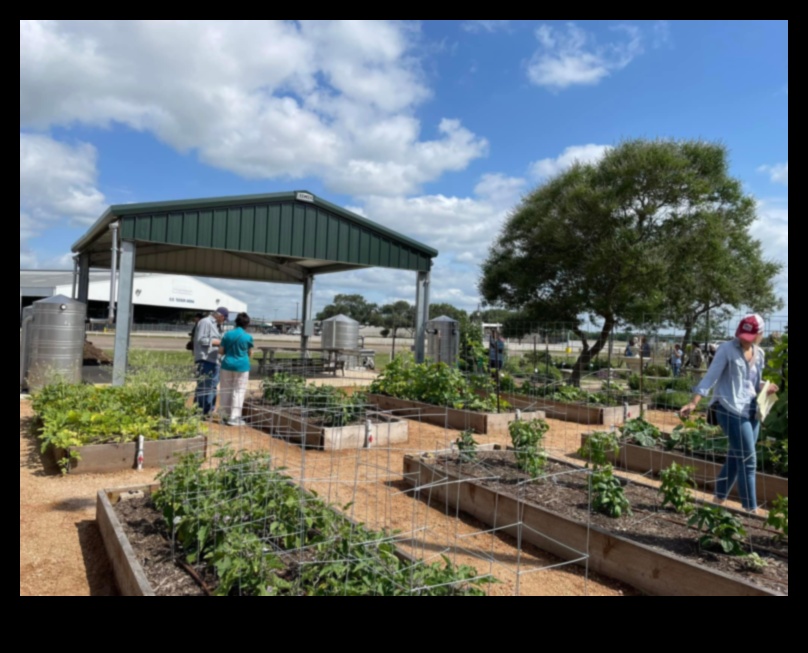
(331,407)
(778,516)
(676,489)
(527,438)
(696,435)
(437,384)
(608,495)
(772,457)
(639,431)
(597,447)
(721,530)
(78,415)
(246,525)
(754,563)
(467,446)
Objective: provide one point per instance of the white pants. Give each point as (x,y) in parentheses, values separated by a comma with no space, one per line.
(232,394)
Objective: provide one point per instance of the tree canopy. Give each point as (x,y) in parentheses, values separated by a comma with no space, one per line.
(355,307)
(653,230)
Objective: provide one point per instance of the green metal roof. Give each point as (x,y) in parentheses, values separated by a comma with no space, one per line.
(281,237)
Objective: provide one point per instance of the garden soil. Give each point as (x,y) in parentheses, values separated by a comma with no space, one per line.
(61,553)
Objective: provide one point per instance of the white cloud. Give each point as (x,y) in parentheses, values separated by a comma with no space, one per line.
(777,173)
(573,57)
(263,99)
(57,184)
(490,26)
(547,168)
(662,33)
(771,228)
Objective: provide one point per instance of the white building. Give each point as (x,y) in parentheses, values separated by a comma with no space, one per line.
(159,298)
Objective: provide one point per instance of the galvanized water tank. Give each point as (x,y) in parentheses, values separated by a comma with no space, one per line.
(26,329)
(443,340)
(56,350)
(340,332)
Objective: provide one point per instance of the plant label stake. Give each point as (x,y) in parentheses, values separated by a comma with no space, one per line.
(368,436)
(140,453)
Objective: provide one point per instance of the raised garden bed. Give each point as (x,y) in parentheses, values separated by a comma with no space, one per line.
(579,413)
(106,458)
(460,420)
(653,460)
(253,542)
(634,550)
(377,430)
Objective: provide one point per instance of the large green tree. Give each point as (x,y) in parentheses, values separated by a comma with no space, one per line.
(395,317)
(716,265)
(355,307)
(447,310)
(603,240)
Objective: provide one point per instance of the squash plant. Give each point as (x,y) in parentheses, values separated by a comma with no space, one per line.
(640,432)
(697,436)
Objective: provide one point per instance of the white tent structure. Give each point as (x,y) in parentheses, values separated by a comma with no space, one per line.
(155,290)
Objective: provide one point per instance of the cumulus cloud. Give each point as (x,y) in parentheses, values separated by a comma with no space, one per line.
(57,183)
(263,99)
(777,173)
(572,56)
(546,168)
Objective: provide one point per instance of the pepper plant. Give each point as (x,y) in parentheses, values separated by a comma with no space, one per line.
(527,438)
(608,495)
(676,489)
(467,446)
(778,516)
(598,446)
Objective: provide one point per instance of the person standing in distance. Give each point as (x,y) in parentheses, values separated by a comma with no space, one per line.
(207,339)
(235,350)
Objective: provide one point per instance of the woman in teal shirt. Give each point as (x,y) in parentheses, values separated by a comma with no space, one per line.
(236,349)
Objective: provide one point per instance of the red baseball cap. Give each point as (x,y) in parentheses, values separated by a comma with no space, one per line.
(750,328)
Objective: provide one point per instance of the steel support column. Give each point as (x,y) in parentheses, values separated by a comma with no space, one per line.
(308,306)
(421,315)
(123,325)
(84,278)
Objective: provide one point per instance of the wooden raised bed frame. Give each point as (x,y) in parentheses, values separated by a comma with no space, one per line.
(130,578)
(105,458)
(385,431)
(459,420)
(579,413)
(645,460)
(129,575)
(647,569)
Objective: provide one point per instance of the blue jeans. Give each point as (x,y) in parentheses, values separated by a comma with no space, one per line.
(677,370)
(741,465)
(207,375)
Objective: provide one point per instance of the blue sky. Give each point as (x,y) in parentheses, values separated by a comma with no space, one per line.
(433,128)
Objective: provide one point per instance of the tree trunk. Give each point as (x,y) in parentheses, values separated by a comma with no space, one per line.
(589,353)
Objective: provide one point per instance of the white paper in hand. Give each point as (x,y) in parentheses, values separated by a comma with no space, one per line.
(766,401)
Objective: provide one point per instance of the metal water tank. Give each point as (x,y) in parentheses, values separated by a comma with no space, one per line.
(443,340)
(340,332)
(56,347)
(26,329)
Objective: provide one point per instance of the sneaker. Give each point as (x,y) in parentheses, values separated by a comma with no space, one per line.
(236,422)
